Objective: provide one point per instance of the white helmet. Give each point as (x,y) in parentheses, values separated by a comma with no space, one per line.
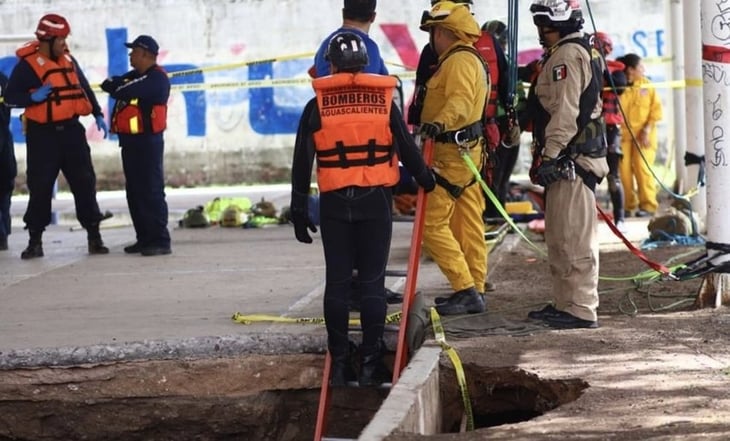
(559,14)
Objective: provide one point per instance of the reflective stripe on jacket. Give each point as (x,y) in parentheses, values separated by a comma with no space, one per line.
(354,147)
(135,116)
(67,98)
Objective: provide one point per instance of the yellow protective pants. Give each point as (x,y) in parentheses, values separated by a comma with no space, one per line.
(453,232)
(636,178)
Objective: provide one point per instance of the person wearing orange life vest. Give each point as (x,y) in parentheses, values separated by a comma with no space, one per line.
(452,115)
(614,83)
(357,136)
(139,119)
(50,85)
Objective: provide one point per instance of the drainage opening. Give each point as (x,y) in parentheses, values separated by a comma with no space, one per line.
(503,396)
(256,397)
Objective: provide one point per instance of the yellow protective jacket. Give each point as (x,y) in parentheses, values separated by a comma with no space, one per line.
(457,91)
(642,106)
(67,98)
(354,147)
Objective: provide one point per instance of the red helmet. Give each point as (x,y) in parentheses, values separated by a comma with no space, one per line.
(602,41)
(52,26)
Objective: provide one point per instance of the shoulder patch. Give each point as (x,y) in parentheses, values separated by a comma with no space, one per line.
(560,72)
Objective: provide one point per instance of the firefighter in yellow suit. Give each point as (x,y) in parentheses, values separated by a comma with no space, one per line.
(452,113)
(643,109)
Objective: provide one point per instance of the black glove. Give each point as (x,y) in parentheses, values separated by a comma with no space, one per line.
(110,85)
(427,180)
(548,171)
(431,129)
(300,217)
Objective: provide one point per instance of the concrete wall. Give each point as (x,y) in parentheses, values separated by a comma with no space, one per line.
(243,133)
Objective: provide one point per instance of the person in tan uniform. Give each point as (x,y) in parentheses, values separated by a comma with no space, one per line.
(452,115)
(569,159)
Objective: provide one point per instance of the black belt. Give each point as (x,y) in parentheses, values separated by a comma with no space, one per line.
(55,125)
(470,133)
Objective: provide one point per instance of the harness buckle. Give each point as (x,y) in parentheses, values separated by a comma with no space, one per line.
(461,138)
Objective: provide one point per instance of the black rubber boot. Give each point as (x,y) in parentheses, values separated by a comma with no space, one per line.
(373,371)
(35,246)
(341,370)
(96,245)
(3,242)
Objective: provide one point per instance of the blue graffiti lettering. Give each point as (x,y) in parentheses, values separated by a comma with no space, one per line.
(638,38)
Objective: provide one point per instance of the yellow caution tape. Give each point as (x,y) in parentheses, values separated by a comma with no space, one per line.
(495,201)
(440,335)
(247,319)
(230,66)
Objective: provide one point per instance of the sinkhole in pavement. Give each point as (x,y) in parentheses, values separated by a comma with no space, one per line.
(254,397)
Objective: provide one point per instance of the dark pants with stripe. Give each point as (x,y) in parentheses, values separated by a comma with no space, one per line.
(356,224)
(53,148)
(142,160)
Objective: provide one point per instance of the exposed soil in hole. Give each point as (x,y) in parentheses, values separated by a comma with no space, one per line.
(253,398)
(503,395)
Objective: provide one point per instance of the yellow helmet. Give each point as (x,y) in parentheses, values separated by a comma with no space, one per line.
(455,17)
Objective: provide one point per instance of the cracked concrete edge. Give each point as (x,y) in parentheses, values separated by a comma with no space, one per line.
(194,347)
(413,405)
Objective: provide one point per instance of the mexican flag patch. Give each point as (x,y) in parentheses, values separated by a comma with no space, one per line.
(560,72)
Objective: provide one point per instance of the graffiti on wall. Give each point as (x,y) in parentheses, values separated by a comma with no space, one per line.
(276,110)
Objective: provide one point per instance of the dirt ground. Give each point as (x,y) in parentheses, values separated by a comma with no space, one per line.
(657,368)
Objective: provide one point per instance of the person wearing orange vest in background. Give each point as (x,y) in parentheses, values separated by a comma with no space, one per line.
(505,114)
(49,84)
(614,82)
(139,119)
(452,115)
(357,137)
(643,109)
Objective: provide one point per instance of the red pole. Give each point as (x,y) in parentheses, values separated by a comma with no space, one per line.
(412,275)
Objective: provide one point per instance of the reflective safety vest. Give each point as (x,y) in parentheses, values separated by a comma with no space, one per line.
(485,47)
(134,118)
(67,98)
(354,147)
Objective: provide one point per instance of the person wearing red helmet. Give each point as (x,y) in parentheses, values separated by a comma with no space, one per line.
(614,82)
(50,85)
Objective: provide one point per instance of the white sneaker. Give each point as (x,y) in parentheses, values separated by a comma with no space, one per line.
(621,226)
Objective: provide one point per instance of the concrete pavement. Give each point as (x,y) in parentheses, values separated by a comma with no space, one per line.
(69,307)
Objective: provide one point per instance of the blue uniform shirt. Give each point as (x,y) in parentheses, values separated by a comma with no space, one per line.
(376,65)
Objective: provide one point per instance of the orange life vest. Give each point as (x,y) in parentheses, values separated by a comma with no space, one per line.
(485,47)
(132,118)
(355,145)
(67,98)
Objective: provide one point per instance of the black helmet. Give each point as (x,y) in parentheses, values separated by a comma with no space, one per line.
(498,29)
(564,15)
(347,52)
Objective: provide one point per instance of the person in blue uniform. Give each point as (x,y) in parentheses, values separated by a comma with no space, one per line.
(139,119)
(50,85)
(357,17)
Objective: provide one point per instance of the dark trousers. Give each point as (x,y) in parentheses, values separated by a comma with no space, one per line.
(356,228)
(613,157)
(505,161)
(53,148)
(145,186)
(5,212)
